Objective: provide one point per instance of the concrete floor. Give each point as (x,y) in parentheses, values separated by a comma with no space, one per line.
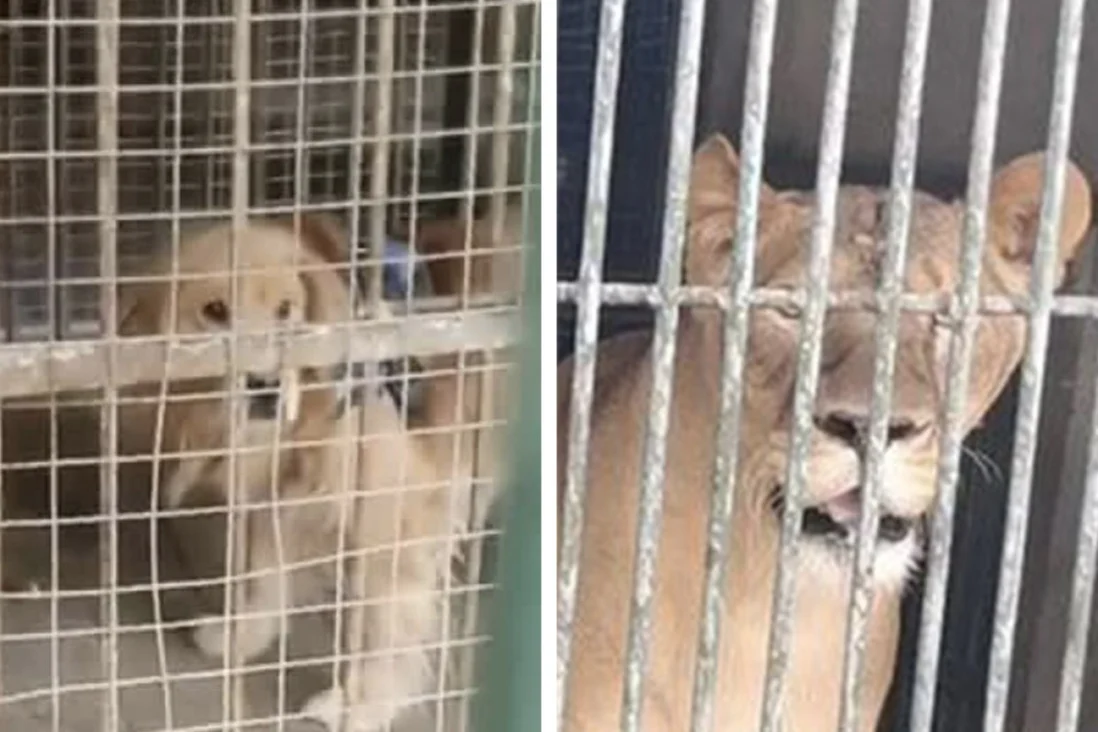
(27,703)
(40,696)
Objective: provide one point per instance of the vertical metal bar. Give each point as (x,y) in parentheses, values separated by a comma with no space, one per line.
(234,707)
(383,119)
(683,112)
(51,316)
(468,209)
(808,356)
(176,107)
(379,186)
(299,191)
(502,103)
(459,54)
(7,132)
(447,586)
(752,139)
(963,308)
(1043,280)
(472,147)
(904,156)
(349,463)
(1073,671)
(107,80)
(611,20)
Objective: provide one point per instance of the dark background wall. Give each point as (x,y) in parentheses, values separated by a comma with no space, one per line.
(797,89)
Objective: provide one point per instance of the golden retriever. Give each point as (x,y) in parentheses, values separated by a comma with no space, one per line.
(325,476)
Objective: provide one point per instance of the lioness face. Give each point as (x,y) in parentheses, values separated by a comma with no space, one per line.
(836,461)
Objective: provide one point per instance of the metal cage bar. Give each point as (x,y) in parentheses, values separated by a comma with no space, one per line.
(1045,262)
(654,457)
(733,356)
(1072,672)
(107,78)
(962,312)
(220,83)
(611,20)
(808,351)
(589,293)
(890,288)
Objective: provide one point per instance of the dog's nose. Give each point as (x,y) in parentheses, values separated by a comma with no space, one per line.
(853,429)
(256,382)
(263,396)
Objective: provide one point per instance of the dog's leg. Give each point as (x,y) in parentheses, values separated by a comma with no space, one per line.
(267,597)
(390,649)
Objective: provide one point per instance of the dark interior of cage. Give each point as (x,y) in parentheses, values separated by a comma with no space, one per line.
(798,75)
(315,87)
(176,130)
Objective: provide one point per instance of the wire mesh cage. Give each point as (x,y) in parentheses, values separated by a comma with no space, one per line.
(714,614)
(261,271)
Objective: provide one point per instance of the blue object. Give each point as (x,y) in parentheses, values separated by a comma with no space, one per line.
(400,275)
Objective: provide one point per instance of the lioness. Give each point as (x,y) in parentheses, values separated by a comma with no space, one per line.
(835,462)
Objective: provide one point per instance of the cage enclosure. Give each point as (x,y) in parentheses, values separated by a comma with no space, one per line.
(1012,61)
(131,130)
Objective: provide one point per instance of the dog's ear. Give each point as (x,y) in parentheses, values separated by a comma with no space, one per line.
(325,274)
(443,241)
(324,236)
(138,309)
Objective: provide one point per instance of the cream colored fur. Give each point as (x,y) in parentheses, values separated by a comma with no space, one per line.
(361,480)
(623,383)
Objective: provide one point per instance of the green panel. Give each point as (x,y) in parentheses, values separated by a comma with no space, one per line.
(510,697)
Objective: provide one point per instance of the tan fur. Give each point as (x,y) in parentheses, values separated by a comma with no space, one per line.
(623,382)
(463,258)
(401,494)
(491,266)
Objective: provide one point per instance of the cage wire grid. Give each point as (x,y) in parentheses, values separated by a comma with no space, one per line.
(127,130)
(589,293)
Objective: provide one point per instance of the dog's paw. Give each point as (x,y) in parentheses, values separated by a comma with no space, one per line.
(328,706)
(325,707)
(208,636)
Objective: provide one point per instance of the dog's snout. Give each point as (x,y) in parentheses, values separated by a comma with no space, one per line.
(853,429)
(263,395)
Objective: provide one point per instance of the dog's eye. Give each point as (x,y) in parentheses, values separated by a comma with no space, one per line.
(283,310)
(216,311)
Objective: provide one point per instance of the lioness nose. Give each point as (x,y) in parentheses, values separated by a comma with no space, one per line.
(853,429)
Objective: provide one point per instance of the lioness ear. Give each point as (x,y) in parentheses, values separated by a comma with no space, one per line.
(714,192)
(1016,210)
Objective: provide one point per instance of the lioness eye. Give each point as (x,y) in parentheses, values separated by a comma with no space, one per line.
(216,311)
(788,311)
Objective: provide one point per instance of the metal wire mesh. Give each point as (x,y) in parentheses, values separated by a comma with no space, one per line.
(962,307)
(345,135)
